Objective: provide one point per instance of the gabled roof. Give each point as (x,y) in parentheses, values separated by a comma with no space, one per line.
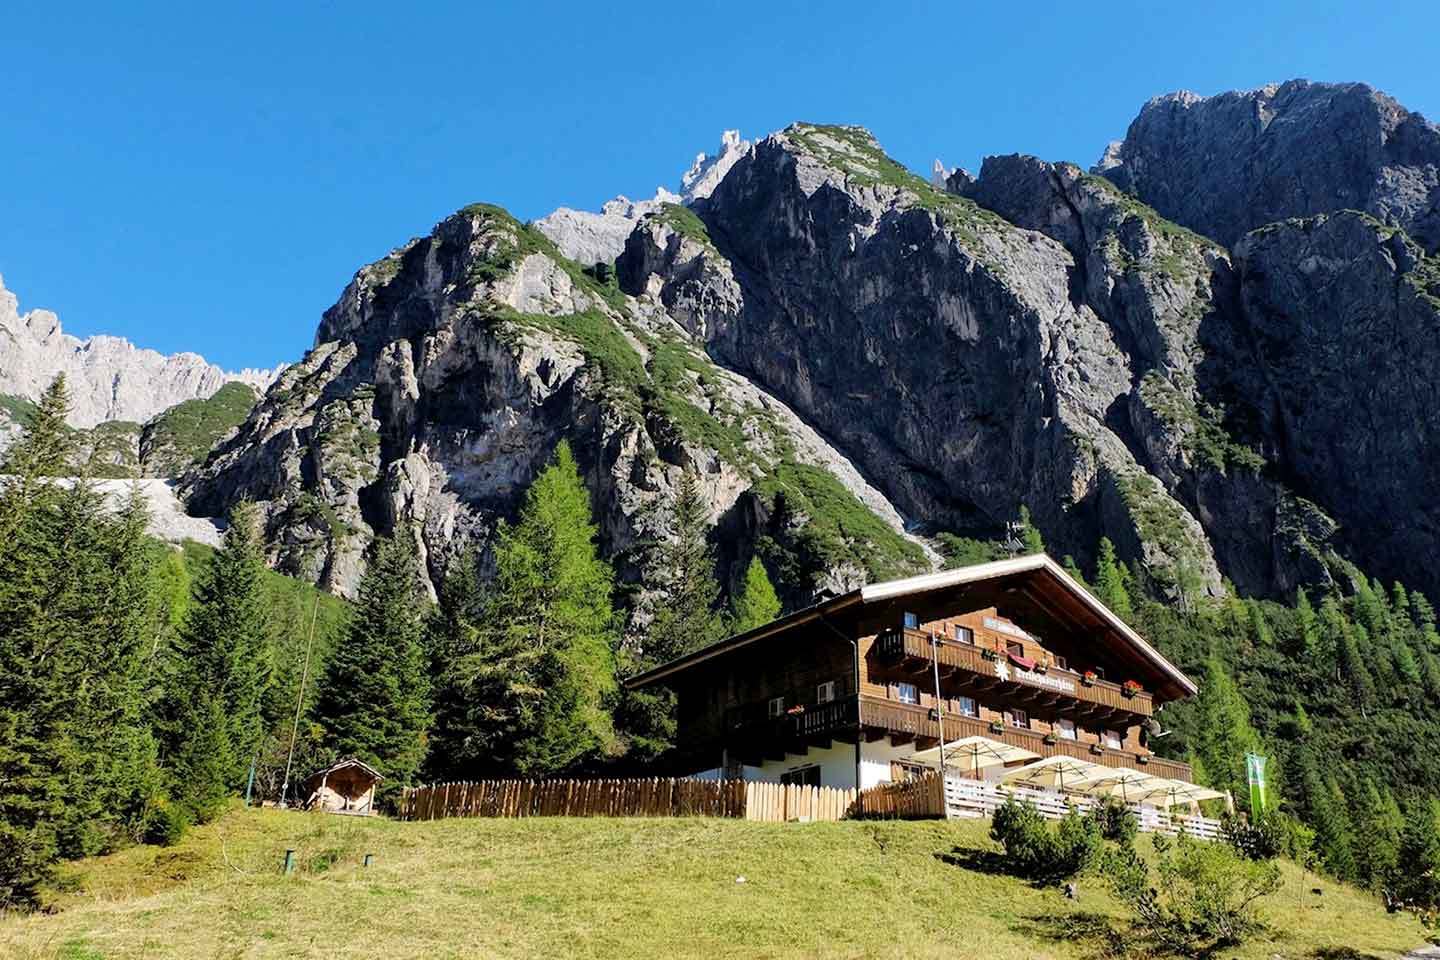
(343,764)
(1017,569)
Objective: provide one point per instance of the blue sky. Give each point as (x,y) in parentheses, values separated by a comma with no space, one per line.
(209,179)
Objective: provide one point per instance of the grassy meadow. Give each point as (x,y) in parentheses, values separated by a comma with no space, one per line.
(614,888)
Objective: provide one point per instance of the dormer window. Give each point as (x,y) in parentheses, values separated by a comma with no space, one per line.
(912,621)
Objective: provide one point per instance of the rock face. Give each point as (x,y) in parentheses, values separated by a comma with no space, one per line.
(1341,324)
(446,375)
(1227,164)
(590,238)
(850,355)
(109,378)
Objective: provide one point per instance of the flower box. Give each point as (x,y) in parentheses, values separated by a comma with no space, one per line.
(1051,740)
(1089,677)
(1142,759)
(1096,749)
(996,726)
(1130,688)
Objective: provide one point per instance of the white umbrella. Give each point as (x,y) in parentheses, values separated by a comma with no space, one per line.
(974,753)
(1171,793)
(1053,773)
(1121,782)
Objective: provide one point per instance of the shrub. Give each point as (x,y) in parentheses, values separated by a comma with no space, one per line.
(1036,850)
(1202,896)
(165,823)
(1116,822)
(1260,839)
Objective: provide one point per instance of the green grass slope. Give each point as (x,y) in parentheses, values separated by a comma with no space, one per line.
(181,436)
(613,888)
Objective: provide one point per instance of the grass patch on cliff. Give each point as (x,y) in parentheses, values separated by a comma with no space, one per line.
(16,408)
(525,240)
(185,433)
(862,161)
(1201,428)
(600,887)
(840,528)
(683,221)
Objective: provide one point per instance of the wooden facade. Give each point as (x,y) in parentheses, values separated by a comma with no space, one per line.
(346,786)
(1020,652)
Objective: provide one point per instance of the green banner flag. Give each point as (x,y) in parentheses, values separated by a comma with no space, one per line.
(1255,772)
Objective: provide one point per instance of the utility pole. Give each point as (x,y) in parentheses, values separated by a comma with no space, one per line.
(299,701)
(939,703)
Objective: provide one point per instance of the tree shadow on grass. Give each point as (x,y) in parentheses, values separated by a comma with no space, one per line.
(990,861)
(1340,953)
(1093,932)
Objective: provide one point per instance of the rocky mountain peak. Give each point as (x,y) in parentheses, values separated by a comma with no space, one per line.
(589,238)
(1226,164)
(109,378)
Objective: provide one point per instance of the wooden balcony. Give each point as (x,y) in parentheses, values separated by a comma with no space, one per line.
(754,737)
(881,718)
(975,671)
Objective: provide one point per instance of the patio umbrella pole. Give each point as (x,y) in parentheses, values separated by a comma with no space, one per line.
(939,709)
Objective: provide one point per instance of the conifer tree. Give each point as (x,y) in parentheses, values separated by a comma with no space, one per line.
(47,444)
(1223,732)
(1076,574)
(453,635)
(1378,824)
(756,604)
(1308,639)
(1415,881)
(222,672)
(1112,581)
(546,666)
(1327,815)
(374,699)
(685,617)
(1030,539)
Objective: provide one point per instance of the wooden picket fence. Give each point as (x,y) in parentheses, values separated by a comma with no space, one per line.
(784,802)
(655,797)
(914,799)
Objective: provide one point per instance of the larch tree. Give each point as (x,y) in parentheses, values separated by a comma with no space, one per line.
(544,672)
(374,697)
(756,604)
(1223,734)
(1112,581)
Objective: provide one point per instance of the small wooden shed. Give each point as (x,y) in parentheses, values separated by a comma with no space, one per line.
(346,786)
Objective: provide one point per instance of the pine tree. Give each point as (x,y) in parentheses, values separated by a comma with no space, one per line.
(756,604)
(47,444)
(1111,581)
(1415,881)
(1076,574)
(374,699)
(1378,825)
(546,666)
(1308,638)
(76,763)
(685,617)
(1327,815)
(1030,539)
(223,670)
(452,635)
(1223,732)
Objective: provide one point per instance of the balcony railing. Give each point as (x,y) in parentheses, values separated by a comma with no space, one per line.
(919,722)
(971,662)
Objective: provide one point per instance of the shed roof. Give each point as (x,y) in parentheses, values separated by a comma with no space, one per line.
(343,764)
(1016,577)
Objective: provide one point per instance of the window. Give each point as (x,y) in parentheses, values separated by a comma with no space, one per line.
(912,621)
(1065,729)
(777,707)
(907,693)
(968,708)
(1111,739)
(825,692)
(1060,661)
(803,776)
(1015,647)
(1017,718)
(965,635)
(1098,671)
